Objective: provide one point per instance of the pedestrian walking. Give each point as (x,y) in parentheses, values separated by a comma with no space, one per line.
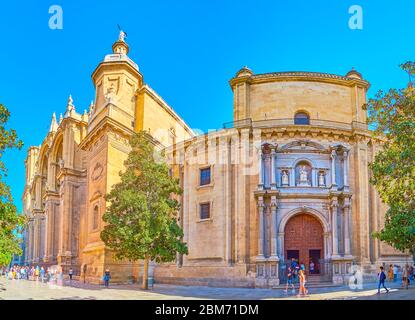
(381,280)
(301,276)
(294,267)
(37,273)
(405,274)
(311,267)
(42,274)
(59,276)
(70,273)
(390,273)
(107,277)
(395,273)
(289,280)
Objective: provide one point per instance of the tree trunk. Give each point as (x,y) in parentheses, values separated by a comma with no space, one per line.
(144,285)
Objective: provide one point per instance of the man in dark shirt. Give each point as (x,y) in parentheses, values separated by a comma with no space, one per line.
(382,277)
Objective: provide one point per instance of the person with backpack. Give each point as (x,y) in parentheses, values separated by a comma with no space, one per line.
(289,280)
(106,278)
(382,278)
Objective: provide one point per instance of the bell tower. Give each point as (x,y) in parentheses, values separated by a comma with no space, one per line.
(111,123)
(116,79)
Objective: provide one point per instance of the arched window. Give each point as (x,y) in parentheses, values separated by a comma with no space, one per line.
(301,118)
(95,218)
(58,161)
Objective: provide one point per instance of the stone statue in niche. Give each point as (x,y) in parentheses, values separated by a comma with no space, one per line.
(321,179)
(303,177)
(303,174)
(284,178)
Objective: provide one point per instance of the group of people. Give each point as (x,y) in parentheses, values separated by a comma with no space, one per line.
(408,275)
(296,274)
(52,275)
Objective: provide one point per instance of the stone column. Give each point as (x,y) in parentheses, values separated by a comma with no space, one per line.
(273,180)
(314,178)
(335,251)
(260,171)
(29,240)
(292,177)
(49,230)
(346,169)
(280,245)
(346,212)
(261,233)
(327,246)
(274,228)
(333,168)
(42,241)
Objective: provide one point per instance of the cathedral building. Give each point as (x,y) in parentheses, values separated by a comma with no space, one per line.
(287,178)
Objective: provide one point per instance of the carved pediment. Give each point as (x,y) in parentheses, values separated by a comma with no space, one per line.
(303,146)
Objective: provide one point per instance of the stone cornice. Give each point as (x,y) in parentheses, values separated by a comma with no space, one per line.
(147,89)
(116,63)
(71,172)
(300,76)
(104,124)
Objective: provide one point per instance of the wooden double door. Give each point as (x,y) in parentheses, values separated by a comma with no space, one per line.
(304,241)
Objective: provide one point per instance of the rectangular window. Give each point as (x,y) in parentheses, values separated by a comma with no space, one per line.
(205,176)
(204,211)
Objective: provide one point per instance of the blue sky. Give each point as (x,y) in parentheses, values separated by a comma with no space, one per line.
(187,50)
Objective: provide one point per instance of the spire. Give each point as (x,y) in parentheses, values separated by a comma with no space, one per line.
(53,124)
(69,107)
(85,116)
(91,107)
(60,118)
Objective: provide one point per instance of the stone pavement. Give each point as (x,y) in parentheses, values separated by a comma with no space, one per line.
(31,290)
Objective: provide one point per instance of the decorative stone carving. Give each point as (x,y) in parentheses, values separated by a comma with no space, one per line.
(321,179)
(97,172)
(303,177)
(285,178)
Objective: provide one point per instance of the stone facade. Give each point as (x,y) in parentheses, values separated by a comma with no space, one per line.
(287,178)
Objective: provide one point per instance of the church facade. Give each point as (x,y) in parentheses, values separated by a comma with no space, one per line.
(288,178)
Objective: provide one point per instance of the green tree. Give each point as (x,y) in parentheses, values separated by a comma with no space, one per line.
(392,115)
(141,219)
(11,222)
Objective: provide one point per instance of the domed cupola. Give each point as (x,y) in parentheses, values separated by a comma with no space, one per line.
(120,46)
(354,74)
(244,72)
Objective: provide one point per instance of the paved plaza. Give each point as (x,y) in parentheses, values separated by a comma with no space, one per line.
(32,290)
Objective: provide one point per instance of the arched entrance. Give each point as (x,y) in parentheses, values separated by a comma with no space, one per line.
(304,240)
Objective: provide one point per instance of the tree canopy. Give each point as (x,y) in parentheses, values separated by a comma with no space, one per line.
(10,221)
(141,219)
(392,115)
